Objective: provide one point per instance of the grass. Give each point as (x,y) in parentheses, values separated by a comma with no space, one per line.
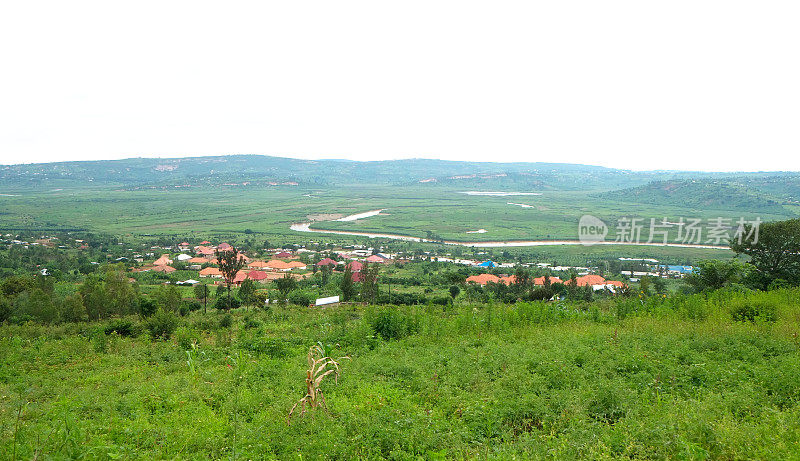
(527,381)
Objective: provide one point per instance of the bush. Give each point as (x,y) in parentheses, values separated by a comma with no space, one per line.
(226,321)
(752,310)
(147,307)
(300,298)
(162,324)
(122,327)
(185,336)
(222,303)
(391,323)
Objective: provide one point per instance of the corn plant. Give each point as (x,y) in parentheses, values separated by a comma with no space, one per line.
(320,365)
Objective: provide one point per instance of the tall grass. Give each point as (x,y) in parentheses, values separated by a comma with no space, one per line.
(640,378)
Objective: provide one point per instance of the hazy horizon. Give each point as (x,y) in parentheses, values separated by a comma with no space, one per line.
(179,157)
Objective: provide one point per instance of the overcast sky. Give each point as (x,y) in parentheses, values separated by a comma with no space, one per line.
(692,85)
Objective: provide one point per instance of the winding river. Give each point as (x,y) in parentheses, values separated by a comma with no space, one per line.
(306,227)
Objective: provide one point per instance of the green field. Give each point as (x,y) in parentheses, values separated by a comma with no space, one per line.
(664,378)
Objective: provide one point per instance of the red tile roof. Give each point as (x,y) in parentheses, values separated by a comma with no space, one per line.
(326,262)
(540,280)
(355,266)
(483,279)
(257,275)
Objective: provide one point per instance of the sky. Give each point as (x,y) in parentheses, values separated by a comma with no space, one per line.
(690,85)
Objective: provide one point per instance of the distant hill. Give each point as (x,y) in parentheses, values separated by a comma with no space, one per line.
(707,194)
(260,169)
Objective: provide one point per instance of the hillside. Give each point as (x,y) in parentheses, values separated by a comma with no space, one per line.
(708,194)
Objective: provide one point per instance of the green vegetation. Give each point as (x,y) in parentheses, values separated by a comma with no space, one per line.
(674,377)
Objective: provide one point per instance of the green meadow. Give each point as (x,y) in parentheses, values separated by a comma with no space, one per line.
(680,377)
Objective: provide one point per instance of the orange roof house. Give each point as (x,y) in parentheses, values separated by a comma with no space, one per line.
(211,272)
(375,259)
(483,279)
(240,277)
(165,269)
(162,261)
(510,280)
(257,264)
(278,265)
(297,265)
(197,260)
(589,280)
(540,280)
(204,251)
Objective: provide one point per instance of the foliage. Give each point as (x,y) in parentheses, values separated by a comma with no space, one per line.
(774,251)
(230,262)
(162,324)
(715,274)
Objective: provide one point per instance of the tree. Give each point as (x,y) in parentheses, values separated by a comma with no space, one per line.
(713,274)
(774,251)
(247,292)
(72,309)
(36,304)
(168,297)
(369,283)
(522,280)
(454,291)
(285,285)
(122,295)
(202,292)
(348,289)
(93,293)
(230,262)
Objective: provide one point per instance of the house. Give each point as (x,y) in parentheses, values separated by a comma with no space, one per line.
(490,264)
(240,277)
(188,282)
(297,265)
(211,272)
(278,265)
(162,261)
(258,265)
(164,269)
(204,251)
(483,279)
(509,280)
(375,259)
(588,280)
(258,276)
(355,266)
(283,255)
(224,247)
(183,246)
(540,280)
(183,257)
(327,262)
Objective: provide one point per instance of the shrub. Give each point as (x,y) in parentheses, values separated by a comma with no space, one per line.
(222,303)
(300,298)
(122,327)
(606,406)
(162,324)
(752,310)
(185,336)
(147,307)
(391,323)
(226,321)
(100,342)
